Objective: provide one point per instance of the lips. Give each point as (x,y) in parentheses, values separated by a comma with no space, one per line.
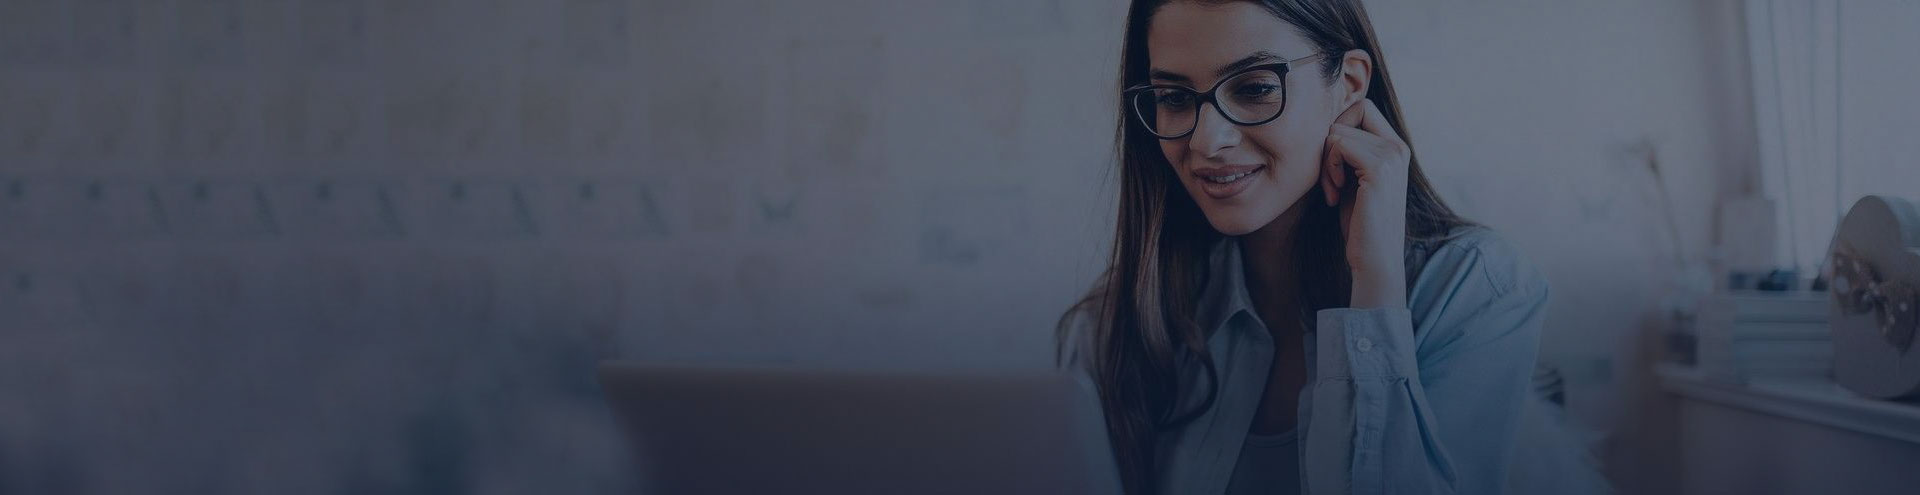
(1226,181)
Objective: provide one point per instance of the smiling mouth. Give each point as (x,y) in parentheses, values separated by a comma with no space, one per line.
(1230,178)
(1227,179)
(1222,182)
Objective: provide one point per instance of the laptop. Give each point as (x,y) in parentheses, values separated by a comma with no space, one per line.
(717,430)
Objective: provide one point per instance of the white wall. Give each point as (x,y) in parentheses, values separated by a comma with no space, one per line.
(1526,114)
(943,161)
(866,183)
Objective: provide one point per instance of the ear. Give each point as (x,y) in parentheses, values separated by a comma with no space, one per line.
(1356,73)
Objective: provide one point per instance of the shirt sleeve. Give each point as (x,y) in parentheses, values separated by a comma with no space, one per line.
(1389,413)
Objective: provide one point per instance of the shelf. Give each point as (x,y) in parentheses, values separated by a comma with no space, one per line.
(1818,402)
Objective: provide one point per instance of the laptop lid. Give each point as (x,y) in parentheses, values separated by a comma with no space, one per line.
(770,430)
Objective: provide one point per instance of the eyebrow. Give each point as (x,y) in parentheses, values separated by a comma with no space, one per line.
(1237,65)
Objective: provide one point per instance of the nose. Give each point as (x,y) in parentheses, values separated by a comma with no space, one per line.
(1212,133)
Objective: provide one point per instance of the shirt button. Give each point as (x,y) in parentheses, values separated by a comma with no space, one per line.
(1365,344)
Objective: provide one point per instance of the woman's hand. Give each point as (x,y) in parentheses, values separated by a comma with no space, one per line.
(1364,172)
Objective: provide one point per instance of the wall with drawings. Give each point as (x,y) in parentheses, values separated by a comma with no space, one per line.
(376,247)
(362,246)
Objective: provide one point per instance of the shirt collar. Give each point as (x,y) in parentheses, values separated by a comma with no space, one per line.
(1225,292)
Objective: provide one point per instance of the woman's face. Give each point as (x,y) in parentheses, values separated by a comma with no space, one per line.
(1243,177)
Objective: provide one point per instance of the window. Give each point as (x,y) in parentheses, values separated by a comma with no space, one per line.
(1836,88)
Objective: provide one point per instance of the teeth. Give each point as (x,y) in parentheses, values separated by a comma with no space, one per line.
(1229,178)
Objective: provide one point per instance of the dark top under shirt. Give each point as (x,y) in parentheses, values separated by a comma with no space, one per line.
(1268,465)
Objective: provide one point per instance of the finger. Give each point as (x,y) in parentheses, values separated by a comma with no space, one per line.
(1331,169)
(1340,170)
(1326,185)
(1359,149)
(1354,114)
(1321,179)
(1376,122)
(1335,167)
(1360,140)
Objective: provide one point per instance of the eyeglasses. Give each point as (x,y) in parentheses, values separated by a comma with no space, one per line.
(1255,95)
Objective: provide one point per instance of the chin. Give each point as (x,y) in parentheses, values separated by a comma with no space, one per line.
(1238,223)
(1251,209)
(1244,217)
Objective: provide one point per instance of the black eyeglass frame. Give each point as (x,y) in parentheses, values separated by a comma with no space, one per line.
(1281,68)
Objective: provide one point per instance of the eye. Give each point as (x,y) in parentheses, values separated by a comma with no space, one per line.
(1257,87)
(1256,90)
(1173,98)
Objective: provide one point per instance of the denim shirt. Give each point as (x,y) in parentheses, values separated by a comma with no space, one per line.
(1416,400)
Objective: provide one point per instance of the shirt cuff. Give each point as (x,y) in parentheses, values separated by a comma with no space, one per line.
(1374,342)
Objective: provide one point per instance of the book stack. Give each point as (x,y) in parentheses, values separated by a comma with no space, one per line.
(1755,335)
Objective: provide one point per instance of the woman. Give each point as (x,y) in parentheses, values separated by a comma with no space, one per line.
(1289,307)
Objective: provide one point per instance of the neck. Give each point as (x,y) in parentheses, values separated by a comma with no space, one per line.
(1270,256)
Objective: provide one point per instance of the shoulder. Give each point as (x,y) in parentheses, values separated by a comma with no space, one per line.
(1474,289)
(1476,257)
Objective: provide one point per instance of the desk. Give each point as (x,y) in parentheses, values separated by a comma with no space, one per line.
(1791,438)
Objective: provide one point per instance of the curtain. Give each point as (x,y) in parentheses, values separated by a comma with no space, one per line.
(1836,90)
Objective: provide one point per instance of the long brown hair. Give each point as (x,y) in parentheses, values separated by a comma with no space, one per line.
(1146,345)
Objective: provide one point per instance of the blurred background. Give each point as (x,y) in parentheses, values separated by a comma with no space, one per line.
(358,246)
